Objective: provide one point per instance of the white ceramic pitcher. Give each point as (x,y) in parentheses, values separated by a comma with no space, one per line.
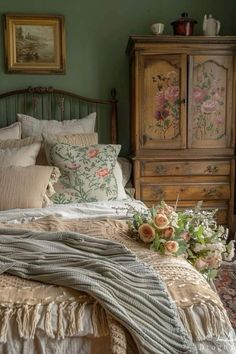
(211,26)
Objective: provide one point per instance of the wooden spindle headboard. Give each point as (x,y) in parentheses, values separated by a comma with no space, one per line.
(50,103)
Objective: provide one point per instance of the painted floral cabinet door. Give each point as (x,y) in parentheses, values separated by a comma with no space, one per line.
(210,101)
(162,89)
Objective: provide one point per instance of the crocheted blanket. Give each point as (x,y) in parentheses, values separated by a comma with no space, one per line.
(126,288)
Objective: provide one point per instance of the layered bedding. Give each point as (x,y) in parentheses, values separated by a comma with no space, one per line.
(72,277)
(33,312)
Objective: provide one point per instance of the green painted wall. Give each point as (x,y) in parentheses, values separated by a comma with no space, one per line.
(96,36)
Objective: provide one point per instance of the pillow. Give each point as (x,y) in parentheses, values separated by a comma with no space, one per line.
(35,127)
(16,143)
(73,139)
(87,140)
(13,131)
(87,173)
(22,156)
(24,187)
(121,193)
(126,168)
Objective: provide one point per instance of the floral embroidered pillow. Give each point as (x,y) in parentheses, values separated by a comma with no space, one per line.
(87,173)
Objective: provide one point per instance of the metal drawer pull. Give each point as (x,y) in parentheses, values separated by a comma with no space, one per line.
(211,169)
(212,192)
(158,193)
(160,170)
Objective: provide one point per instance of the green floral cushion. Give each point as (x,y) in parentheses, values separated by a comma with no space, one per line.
(86,172)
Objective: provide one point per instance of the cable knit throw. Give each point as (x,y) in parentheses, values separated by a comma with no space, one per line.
(126,288)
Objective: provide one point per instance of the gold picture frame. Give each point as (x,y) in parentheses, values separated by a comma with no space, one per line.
(34,44)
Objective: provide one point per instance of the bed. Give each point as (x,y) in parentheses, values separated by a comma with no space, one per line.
(39,313)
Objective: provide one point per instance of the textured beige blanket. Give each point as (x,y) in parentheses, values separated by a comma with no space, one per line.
(199,306)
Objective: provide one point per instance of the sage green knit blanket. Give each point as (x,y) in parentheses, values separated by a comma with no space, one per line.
(127,289)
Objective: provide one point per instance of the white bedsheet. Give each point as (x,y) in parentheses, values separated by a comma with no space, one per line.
(111,209)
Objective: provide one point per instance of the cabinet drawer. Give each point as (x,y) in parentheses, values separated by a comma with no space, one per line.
(221,214)
(154,192)
(186,168)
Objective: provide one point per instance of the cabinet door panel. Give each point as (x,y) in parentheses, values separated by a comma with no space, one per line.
(162,118)
(210,101)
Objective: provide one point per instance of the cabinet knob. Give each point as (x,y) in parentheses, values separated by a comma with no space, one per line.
(158,193)
(160,170)
(211,169)
(211,192)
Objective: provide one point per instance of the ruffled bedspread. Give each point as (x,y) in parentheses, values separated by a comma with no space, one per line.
(199,306)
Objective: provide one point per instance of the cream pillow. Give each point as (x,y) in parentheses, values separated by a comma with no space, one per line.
(24,187)
(16,143)
(35,127)
(73,139)
(22,156)
(13,131)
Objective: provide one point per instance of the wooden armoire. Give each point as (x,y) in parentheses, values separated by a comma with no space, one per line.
(183,120)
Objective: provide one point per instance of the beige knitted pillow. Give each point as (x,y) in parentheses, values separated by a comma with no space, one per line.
(25,187)
(16,143)
(13,131)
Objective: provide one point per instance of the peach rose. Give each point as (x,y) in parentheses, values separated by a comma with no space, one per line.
(201,264)
(209,106)
(146,233)
(214,261)
(198,94)
(103,172)
(93,153)
(166,209)
(172,93)
(168,232)
(161,221)
(171,247)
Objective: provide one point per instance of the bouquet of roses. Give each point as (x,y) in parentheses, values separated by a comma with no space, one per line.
(193,234)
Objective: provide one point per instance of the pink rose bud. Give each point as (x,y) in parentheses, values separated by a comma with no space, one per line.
(200,264)
(186,236)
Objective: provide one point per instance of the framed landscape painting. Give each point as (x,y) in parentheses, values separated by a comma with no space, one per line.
(34,44)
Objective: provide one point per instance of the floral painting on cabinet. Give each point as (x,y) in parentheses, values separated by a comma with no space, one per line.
(208,102)
(167,104)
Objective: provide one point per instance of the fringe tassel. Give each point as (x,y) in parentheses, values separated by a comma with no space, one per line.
(70,315)
(48,321)
(72,328)
(99,320)
(35,319)
(204,321)
(60,327)
(5,316)
(81,312)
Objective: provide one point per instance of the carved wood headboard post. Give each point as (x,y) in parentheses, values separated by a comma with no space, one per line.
(114,117)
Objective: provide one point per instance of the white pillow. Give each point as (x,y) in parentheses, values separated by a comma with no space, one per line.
(119,180)
(13,131)
(126,168)
(20,156)
(35,127)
